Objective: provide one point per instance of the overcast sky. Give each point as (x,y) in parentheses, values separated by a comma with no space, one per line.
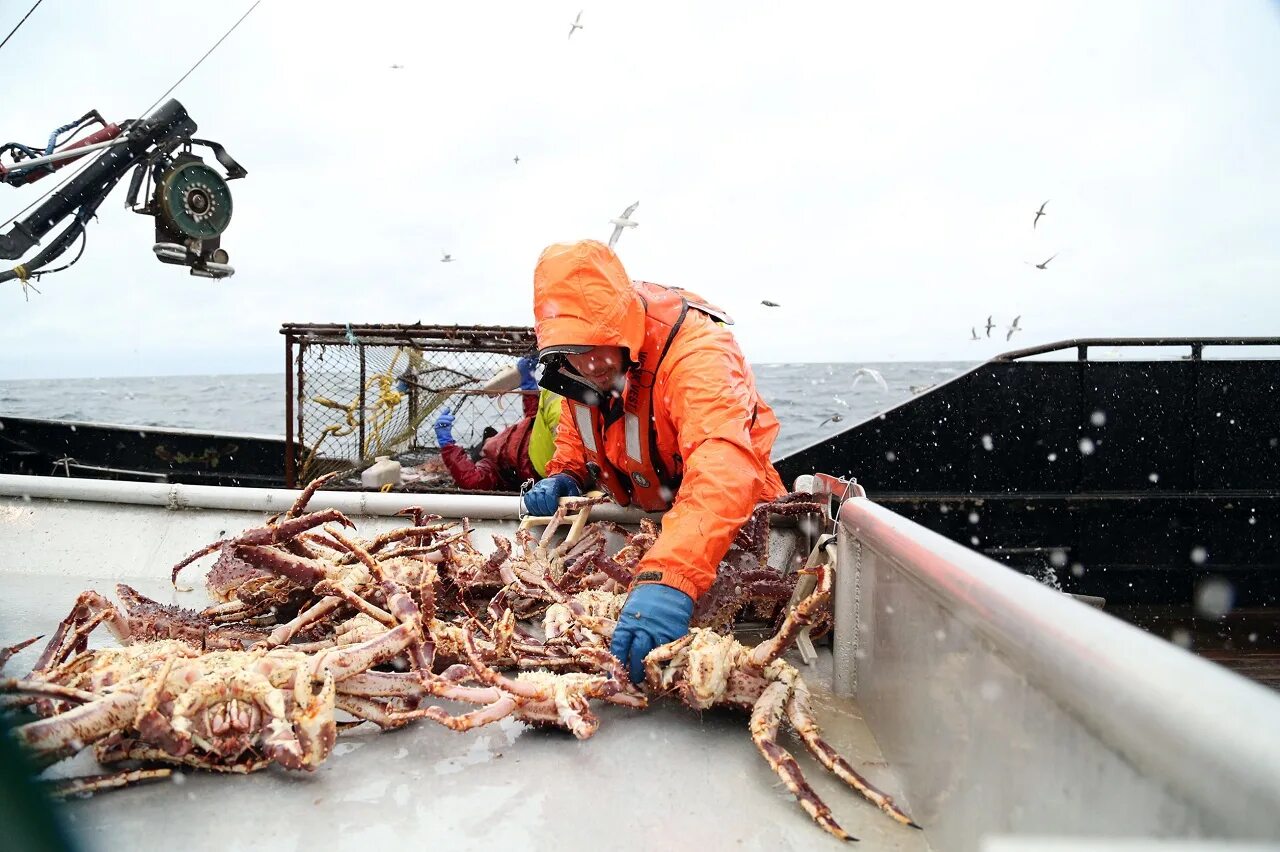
(872,167)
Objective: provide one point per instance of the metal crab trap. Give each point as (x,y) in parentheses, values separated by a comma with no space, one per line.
(357,392)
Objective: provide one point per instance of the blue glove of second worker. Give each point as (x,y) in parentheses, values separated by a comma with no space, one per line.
(653,615)
(444,428)
(544,498)
(526,366)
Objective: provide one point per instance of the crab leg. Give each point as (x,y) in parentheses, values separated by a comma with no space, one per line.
(352,659)
(801,718)
(618,687)
(270,534)
(110,781)
(304,498)
(7,653)
(503,707)
(132,750)
(425,531)
(42,690)
(301,570)
(313,721)
(322,541)
(765,719)
(493,678)
(202,552)
(421,647)
(575,713)
(89,610)
(378,614)
(70,731)
(382,685)
(417,515)
(368,710)
(653,671)
(804,614)
(285,632)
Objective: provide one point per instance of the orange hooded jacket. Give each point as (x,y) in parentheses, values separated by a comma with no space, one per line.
(710,421)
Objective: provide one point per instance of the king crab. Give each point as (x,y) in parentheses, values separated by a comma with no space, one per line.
(233,711)
(536,697)
(707,669)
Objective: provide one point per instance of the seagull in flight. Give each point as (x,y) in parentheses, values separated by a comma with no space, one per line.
(873,375)
(1044,265)
(1013,328)
(769,304)
(397,67)
(516,159)
(835,418)
(446,257)
(623,221)
(990,325)
(1039,213)
(974,332)
(576,25)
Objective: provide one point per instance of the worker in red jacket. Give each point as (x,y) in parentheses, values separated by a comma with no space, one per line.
(516,454)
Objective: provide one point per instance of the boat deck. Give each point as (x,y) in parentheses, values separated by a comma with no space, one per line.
(662,778)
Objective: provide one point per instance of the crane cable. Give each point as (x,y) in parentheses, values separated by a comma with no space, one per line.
(202,58)
(20,23)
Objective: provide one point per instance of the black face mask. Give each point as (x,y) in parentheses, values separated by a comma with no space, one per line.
(559,377)
(478,450)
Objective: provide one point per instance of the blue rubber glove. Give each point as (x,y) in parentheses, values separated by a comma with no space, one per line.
(653,615)
(444,428)
(544,497)
(526,366)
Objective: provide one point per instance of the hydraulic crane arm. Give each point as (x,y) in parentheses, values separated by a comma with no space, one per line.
(191,202)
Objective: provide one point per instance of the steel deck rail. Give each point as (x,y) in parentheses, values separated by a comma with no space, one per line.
(996,694)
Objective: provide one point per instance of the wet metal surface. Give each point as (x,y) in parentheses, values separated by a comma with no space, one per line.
(1009,709)
(662,778)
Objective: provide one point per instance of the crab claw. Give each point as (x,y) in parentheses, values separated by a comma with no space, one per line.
(301,570)
(306,739)
(6,653)
(313,720)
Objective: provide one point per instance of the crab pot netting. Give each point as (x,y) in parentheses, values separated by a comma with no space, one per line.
(405,389)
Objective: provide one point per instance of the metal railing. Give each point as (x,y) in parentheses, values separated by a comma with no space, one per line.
(998,695)
(1083,344)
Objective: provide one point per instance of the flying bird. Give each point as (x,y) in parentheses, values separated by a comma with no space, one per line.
(974,332)
(397,67)
(769,304)
(1039,213)
(1012,328)
(990,325)
(516,159)
(575,25)
(835,418)
(868,373)
(446,257)
(1044,265)
(623,221)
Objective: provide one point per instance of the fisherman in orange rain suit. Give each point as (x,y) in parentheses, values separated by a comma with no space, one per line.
(661,411)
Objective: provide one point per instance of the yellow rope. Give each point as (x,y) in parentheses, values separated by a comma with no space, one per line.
(24,278)
(335,429)
(381,411)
